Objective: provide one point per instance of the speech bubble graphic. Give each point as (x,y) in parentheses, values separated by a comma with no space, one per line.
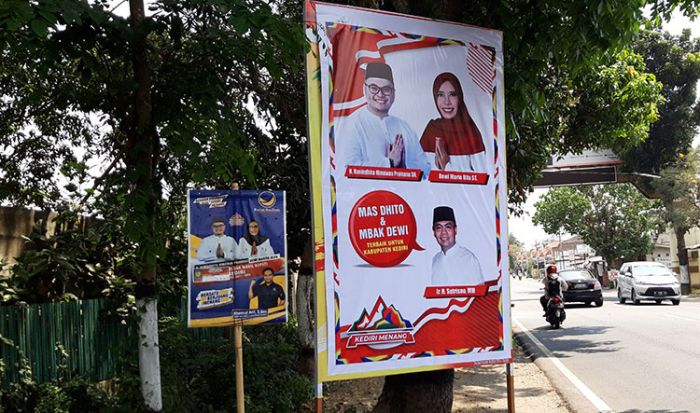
(383,229)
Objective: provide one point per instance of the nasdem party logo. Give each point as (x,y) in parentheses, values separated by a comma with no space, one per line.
(267,199)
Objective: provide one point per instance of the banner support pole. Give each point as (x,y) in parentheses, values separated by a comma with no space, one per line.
(238,345)
(510,388)
(319,397)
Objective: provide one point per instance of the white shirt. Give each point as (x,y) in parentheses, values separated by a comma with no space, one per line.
(458,266)
(263,250)
(365,139)
(207,248)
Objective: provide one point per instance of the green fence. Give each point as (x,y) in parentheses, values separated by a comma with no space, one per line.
(91,342)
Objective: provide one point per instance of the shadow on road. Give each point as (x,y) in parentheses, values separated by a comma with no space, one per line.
(645,303)
(564,344)
(574,306)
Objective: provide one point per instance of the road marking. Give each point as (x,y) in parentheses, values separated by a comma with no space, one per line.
(585,390)
(680,317)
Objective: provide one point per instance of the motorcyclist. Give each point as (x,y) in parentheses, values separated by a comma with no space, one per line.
(553,286)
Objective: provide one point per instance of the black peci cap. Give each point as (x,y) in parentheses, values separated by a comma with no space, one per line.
(380,70)
(443,213)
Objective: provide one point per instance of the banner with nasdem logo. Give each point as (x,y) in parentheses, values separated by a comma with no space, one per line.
(407,147)
(237,261)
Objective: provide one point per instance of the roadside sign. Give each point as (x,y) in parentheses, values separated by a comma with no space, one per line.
(237,260)
(407,144)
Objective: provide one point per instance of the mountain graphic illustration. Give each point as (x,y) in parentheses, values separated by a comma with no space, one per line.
(381,318)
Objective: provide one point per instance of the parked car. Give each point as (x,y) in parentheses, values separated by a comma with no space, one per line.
(646,280)
(583,287)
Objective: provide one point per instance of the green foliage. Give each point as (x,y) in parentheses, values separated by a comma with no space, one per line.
(74,263)
(199,375)
(65,396)
(561,210)
(675,61)
(616,106)
(615,220)
(211,62)
(515,247)
(271,362)
(74,396)
(8,292)
(20,396)
(609,106)
(219,73)
(679,190)
(51,399)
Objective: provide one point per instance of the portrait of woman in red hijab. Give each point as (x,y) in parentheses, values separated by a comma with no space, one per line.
(452,141)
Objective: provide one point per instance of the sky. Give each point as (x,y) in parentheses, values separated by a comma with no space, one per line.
(522,227)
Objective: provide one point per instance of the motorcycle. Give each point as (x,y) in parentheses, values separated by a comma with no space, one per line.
(555,311)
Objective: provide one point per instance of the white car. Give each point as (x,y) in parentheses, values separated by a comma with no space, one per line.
(646,280)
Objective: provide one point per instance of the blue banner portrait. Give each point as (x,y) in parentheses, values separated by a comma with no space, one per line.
(237,258)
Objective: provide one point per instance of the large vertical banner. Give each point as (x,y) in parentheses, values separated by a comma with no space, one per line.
(237,268)
(406,128)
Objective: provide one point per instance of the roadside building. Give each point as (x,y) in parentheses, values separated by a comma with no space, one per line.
(571,252)
(662,250)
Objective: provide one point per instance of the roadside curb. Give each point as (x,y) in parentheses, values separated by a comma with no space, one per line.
(575,401)
(535,356)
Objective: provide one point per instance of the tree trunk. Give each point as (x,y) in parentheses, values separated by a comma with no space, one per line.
(141,159)
(305,310)
(417,393)
(149,357)
(682,259)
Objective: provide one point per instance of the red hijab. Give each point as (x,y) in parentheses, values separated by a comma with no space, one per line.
(460,135)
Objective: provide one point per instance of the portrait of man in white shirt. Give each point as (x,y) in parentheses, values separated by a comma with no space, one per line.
(373,137)
(453,265)
(218,246)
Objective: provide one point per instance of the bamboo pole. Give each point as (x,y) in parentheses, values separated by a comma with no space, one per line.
(319,397)
(510,388)
(238,345)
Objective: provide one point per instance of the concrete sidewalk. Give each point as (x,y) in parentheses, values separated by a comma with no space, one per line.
(483,389)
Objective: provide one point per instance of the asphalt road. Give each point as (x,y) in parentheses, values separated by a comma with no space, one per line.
(643,358)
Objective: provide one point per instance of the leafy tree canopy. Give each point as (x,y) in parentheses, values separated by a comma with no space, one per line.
(675,61)
(222,110)
(561,210)
(679,190)
(615,220)
(227,97)
(515,248)
(213,60)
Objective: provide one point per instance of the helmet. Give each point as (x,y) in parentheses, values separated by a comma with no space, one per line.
(551,269)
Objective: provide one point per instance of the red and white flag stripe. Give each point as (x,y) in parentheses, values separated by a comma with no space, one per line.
(480,63)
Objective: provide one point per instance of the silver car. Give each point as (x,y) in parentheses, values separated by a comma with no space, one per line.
(646,280)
